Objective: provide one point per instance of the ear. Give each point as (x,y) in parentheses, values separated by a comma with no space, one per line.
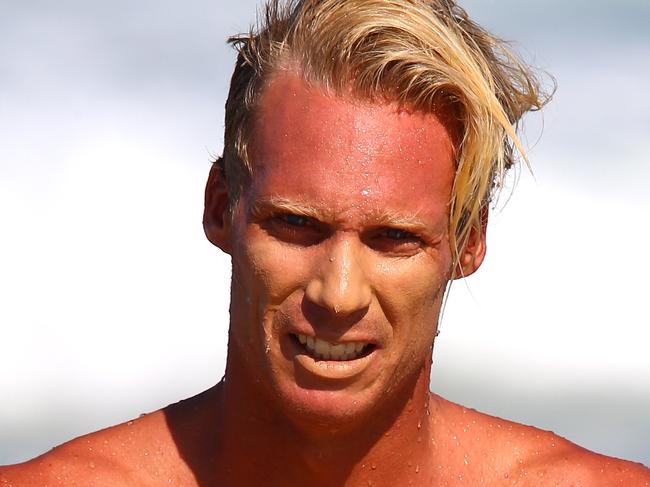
(216,218)
(472,255)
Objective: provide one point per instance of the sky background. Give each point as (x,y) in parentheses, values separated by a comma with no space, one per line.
(112,303)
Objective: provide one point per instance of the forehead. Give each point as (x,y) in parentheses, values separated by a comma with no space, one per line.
(343,152)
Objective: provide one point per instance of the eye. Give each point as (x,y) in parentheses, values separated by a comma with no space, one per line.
(394,241)
(294,228)
(397,234)
(294,220)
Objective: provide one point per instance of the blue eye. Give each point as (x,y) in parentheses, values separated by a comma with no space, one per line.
(295,220)
(397,234)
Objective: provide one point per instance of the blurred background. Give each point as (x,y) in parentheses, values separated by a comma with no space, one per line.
(112,303)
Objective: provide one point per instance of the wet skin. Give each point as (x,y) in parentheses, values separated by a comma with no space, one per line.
(341,236)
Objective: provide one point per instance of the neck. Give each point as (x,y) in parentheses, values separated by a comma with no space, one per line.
(259,445)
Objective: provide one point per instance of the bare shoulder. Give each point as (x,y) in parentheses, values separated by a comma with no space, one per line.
(503,452)
(140,452)
(126,454)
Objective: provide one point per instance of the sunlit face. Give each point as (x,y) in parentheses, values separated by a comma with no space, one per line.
(340,251)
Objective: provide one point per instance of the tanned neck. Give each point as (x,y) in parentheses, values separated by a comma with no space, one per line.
(259,446)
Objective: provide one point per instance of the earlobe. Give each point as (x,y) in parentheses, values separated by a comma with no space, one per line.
(216,219)
(472,254)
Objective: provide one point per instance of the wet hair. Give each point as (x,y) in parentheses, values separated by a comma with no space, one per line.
(420,54)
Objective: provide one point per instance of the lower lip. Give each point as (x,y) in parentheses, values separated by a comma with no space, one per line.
(329,369)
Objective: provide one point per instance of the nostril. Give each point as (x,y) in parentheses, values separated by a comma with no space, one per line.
(339,298)
(324,316)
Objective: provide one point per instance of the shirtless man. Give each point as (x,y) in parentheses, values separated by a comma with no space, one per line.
(364,140)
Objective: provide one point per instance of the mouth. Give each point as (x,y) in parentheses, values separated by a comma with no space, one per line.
(323,350)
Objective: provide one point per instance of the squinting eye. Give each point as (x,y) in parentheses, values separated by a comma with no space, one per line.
(294,220)
(394,241)
(396,234)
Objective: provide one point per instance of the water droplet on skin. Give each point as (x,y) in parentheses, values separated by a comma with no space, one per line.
(373,466)
(91,465)
(129,423)
(419,424)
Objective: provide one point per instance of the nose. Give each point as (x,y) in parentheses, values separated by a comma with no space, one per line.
(341,285)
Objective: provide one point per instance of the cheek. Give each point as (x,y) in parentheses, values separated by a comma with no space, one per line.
(410,293)
(273,271)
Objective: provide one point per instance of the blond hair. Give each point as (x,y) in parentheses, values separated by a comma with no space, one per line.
(418,53)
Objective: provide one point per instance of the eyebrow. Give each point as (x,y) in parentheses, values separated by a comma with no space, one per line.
(410,222)
(295,207)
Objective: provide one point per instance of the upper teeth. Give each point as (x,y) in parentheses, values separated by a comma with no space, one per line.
(328,351)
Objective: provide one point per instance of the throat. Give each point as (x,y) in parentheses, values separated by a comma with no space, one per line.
(393,443)
(401,452)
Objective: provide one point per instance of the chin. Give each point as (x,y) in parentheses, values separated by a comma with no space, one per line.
(326,411)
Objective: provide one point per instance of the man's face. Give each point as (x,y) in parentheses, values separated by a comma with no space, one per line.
(340,251)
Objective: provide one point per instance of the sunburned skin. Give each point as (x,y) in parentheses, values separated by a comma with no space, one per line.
(177,446)
(341,255)
(347,212)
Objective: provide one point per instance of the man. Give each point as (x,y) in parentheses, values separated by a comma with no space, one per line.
(364,140)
